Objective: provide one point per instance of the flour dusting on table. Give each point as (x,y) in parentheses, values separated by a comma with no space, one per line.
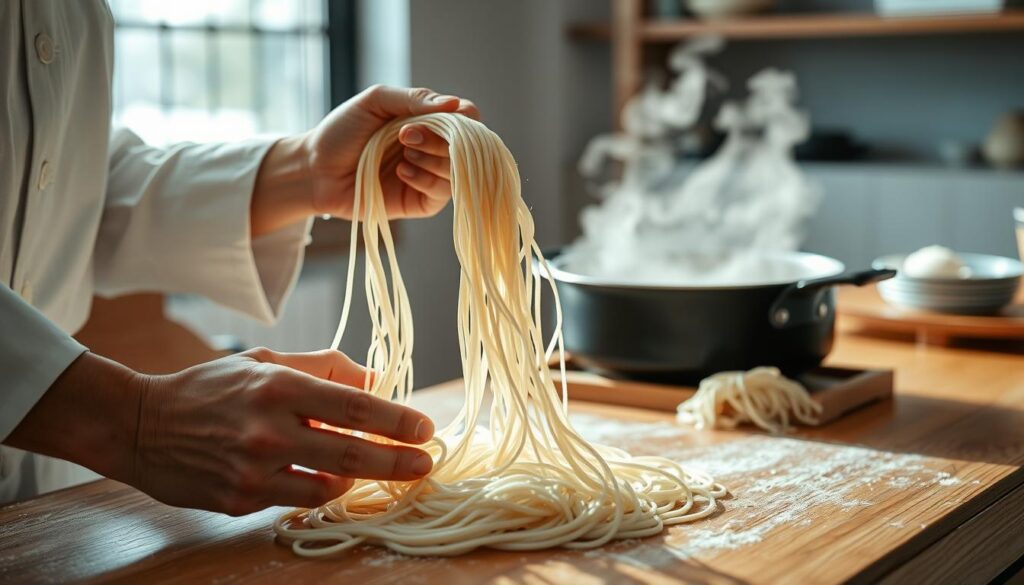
(775,482)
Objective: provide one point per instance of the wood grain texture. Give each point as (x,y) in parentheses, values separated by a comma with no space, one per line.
(796,26)
(993,540)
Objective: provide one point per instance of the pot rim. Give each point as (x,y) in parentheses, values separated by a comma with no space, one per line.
(820,266)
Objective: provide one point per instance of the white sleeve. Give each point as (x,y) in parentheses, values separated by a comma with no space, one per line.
(177,220)
(33,354)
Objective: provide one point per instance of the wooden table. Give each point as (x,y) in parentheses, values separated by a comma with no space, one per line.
(925,488)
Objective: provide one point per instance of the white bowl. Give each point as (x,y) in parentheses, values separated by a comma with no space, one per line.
(991,286)
(713,9)
(919,7)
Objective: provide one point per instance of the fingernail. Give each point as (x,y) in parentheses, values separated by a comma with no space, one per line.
(407,171)
(413,154)
(413,136)
(424,430)
(440,99)
(422,464)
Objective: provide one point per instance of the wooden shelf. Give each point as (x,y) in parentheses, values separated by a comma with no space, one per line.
(631,32)
(812,26)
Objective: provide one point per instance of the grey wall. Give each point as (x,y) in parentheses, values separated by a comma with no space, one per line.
(870,210)
(903,95)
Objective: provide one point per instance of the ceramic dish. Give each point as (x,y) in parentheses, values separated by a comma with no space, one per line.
(992,284)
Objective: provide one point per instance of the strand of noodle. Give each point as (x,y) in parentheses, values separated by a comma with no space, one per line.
(762,396)
(530,481)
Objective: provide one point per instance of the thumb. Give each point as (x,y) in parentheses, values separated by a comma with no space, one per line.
(393,102)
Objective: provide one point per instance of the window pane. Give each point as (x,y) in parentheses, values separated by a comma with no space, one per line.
(193,80)
(182,12)
(189,65)
(186,12)
(317,84)
(314,13)
(239,102)
(281,87)
(231,12)
(289,14)
(137,71)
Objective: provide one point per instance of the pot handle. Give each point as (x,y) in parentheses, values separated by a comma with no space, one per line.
(801,303)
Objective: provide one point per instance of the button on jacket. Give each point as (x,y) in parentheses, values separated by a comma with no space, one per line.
(84,209)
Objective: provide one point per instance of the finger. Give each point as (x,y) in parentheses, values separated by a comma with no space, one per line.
(468,109)
(303,489)
(421,138)
(349,456)
(348,408)
(428,184)
(391,102)
(327,364)
(437,165)
(404,201)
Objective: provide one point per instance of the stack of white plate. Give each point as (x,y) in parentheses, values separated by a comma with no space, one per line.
(992,284)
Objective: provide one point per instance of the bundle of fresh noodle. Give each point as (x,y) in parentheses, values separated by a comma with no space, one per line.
(527,480)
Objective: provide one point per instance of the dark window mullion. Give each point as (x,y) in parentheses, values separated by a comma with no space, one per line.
(166,66)
(259,102)
(212,47)
(341,40)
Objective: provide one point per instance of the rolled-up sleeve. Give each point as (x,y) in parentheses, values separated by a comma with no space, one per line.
(177,220)
(33,354)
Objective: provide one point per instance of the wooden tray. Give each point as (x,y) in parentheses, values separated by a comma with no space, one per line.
(838,390)
(865,307)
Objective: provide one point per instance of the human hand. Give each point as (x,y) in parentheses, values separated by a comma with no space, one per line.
(415,179)
(224,435)
(314,173)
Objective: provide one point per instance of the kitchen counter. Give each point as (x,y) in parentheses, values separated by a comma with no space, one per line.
(927,487)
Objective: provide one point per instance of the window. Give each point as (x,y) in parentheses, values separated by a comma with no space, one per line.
(212,71)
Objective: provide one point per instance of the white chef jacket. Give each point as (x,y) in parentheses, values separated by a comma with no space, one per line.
(84,210)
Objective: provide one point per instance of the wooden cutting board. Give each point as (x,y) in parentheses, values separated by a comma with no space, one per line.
(839,391)
(926,487)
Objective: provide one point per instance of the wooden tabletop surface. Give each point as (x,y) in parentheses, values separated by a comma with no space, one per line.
(926,487)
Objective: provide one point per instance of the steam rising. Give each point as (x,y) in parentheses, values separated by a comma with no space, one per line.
(718,223)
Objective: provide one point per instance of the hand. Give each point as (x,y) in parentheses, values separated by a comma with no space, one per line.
(315,173)
(415,179)
(224,435)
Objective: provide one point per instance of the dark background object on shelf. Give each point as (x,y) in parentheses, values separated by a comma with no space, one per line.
(830,145)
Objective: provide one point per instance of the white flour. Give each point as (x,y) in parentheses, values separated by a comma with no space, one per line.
(775,481)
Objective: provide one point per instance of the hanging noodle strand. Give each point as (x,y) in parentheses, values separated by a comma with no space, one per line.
(526,480)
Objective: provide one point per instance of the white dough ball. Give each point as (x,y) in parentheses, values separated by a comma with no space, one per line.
(935,262)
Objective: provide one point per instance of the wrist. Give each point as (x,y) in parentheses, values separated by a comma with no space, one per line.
(88,416)
(284,190)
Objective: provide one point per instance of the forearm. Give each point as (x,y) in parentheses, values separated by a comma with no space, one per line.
(283,191)
(88,416)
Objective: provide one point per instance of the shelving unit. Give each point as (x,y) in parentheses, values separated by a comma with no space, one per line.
(630,32)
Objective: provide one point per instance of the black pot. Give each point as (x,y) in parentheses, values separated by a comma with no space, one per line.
(681,334)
